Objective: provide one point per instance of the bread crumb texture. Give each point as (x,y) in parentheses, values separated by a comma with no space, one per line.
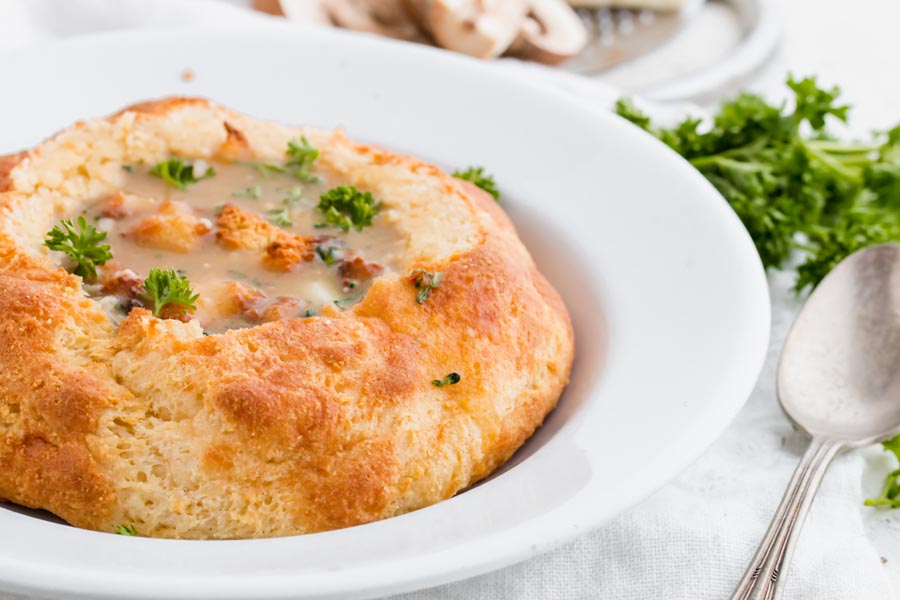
(290,427)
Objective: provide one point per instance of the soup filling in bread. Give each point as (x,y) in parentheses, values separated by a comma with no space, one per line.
(255,242)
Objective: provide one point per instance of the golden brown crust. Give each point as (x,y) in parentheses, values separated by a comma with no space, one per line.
(48,406)
(293,426)
(6,165)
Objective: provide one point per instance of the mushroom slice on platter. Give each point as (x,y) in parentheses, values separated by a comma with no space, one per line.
(418,11)
(666,5)
(300,11)
(550,34)
(389,18)
(479,28)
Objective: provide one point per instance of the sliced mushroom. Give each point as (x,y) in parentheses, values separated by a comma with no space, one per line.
(480,28)
(418,11)
(272,7)
(301,11)
(551,33)
(382,17)
(666,5)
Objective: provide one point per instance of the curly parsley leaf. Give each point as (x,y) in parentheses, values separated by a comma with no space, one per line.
(345,206)
(483,180)
(179,174)
(350,300)
(252,193)
(167,286)
(280,217)
(293,197)
(798,190)
(890,491)
(328,253)
(451,379)
(300,157)
(425,282)
(814,104)
(126,530)
(81,244)
(265,170)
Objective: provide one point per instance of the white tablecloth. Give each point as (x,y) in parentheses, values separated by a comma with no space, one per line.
(691,540)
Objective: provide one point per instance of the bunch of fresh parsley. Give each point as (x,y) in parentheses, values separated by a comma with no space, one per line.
(797,189)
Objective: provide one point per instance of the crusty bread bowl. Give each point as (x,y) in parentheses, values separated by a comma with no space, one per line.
(289,424)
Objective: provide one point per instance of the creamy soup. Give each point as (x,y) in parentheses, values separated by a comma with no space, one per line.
(250,242)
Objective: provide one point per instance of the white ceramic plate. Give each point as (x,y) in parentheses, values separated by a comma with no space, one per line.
(667,294)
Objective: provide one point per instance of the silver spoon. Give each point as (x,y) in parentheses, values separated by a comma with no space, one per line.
(838,380)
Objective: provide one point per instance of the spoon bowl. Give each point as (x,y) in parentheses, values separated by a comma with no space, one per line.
(839,375)
(838,380)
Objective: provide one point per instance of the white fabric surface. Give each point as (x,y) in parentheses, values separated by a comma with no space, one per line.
(692,539)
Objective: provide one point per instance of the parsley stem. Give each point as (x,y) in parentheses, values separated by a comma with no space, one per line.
(835,147)
(720,160)
(745,151)
(887,491)
(830,161)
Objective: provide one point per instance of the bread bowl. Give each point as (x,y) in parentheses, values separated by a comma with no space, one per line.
(314,416)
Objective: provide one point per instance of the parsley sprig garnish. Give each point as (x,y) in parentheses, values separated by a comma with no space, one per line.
(167,286)
(126,530)
(299,158)
(253,193)
(265,170)
(483,180)
(345,206)
(179,174)
(350,300)
(280,217)
(294,196)
(425,282)
(890,491)
(797,189)
(81,244)
(451,379)
(328,254)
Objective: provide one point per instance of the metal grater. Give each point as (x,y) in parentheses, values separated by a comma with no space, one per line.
(617,35)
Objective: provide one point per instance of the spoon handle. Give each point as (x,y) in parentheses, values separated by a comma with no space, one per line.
(764,579)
